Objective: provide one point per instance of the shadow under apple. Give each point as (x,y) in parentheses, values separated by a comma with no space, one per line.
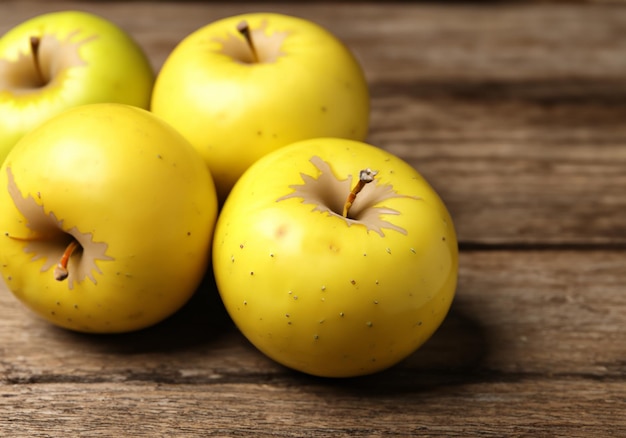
(453,356)
(202,320)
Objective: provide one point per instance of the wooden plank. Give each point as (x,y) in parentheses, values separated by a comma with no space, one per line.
(148,409)
(513,112)
(526,160)
(557,312)
(534,343)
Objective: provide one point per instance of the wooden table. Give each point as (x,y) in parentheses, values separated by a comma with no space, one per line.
(516,113)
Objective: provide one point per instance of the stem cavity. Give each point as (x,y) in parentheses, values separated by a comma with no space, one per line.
(365,176)
(244,29)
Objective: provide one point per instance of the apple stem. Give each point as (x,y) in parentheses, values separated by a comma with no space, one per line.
(244,29)
(35,42)
(60,271)
(365,176)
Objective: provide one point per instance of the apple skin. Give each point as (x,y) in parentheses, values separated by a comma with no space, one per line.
(87,58)
(327,296)
(235,111)
(121,181)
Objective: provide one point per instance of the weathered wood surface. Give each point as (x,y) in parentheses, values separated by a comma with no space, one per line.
(517,115)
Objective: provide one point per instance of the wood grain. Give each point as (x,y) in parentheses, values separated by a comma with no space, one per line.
(515,113)
(533,342)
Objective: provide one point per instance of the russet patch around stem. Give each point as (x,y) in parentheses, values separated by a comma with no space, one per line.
(53,56)
(328,194)
(264,49)
(50,239)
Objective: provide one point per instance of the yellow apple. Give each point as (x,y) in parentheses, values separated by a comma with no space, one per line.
(327,286)
(246,85)
(107,219)
(59,60)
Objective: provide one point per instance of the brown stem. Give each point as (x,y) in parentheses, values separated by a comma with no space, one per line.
(60,271)
(35,42)
(244,29)
(365,176)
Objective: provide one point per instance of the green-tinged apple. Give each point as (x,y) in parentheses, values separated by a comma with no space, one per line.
(335,257)
(60,60)
(246,85)
(107,219)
